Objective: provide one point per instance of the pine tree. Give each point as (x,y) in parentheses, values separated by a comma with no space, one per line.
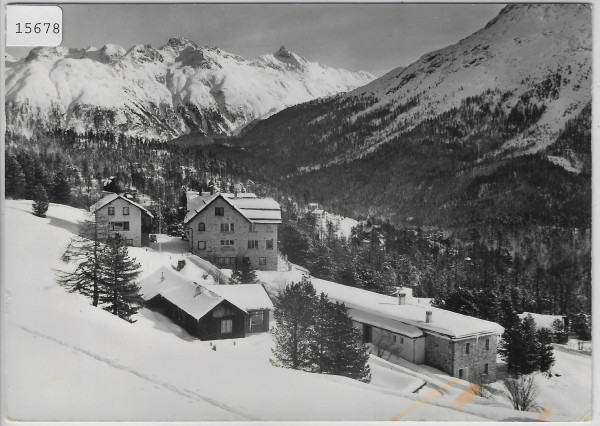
(530,347)
(347,356)
(85,249)
(40,201)
(61,189)
(321,333)
(294,310)
(121,295)
(545,350)
(244,273)
(14,183)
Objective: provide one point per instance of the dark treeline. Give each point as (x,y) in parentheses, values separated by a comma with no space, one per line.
(73,168)
(475,272)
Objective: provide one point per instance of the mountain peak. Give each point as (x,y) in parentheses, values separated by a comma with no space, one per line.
(288,57)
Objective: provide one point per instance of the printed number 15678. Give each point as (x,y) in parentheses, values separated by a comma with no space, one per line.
(38,27)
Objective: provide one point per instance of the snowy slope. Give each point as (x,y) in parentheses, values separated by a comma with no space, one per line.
(161,93)
(66,360)
(523,47)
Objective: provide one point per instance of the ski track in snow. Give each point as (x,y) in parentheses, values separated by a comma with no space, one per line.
(152,379)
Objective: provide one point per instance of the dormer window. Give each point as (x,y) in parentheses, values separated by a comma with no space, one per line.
(201,227)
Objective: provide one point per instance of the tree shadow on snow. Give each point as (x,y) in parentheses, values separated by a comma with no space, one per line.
(64,224)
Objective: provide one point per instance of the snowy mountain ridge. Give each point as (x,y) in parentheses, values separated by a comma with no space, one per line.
(161,93)
(521,52)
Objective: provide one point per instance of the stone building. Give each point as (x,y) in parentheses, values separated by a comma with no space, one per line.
(226,228)
(121,215)
(401,328)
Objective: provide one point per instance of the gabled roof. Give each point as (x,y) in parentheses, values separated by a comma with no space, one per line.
(386,310)
(112,197)
(256,210)
(246,296)
(197,300)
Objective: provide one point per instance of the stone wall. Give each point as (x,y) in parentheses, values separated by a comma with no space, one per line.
(473,363)
(451,356)
(215,252)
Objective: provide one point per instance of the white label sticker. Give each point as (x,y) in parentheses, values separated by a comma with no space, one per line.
(33,25)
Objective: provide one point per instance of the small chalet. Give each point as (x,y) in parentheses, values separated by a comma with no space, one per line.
(125,217)
(225,228)
(403,328)
(208,312)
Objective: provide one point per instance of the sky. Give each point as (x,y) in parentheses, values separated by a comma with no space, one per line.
(371,37)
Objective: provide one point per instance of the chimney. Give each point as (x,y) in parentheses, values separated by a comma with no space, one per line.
(162,277)
(198,290)
(401,298)
(428,315)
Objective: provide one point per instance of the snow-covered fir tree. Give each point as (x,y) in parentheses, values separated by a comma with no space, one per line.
(85,250)
(294,309)
(40,201)
(315,334)
(243,273)
(121,294)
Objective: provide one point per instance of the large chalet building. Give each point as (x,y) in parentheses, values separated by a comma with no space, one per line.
(225,228)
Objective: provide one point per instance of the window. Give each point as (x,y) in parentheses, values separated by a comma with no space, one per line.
(486,369)
(129,242)
(262,261)
(227,242)
(201,227)
(125,211)
(226,326)
(219,211)
(227,227)
(402,340)
(252,227)
(467,348)
(256,320)
(201,245)
(270,244)
(252,244)
(111,211)
(226,261)
(487,345)
(118,226)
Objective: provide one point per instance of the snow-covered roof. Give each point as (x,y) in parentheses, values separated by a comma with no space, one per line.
(388,311)
(198,300)
(246,296)
(386,323)
(239,195)
(257,210)
(112,197)
(542,320)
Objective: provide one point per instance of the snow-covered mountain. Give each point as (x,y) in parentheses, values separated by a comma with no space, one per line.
(161,93)
(440,139)
(529,56)
(538,53)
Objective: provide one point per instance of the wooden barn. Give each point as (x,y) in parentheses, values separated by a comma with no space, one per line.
(208,312)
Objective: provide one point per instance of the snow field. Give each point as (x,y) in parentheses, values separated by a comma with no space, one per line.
(66,360)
